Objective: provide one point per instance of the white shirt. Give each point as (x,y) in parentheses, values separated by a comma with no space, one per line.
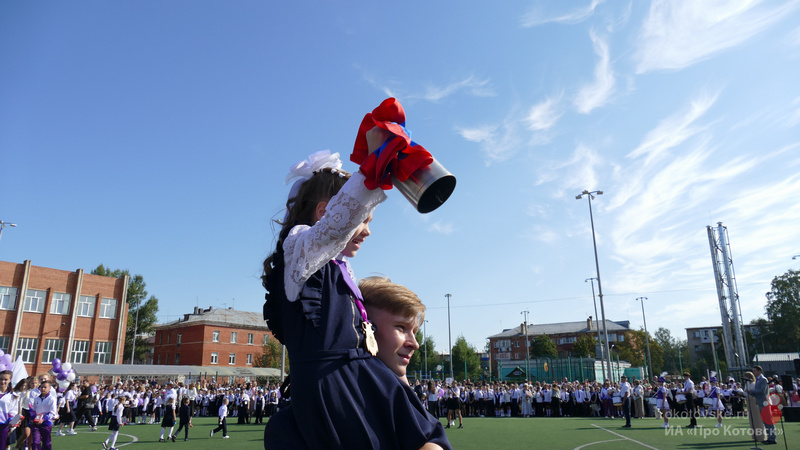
(9,406)
(47,406)
(688,386)
(624,389)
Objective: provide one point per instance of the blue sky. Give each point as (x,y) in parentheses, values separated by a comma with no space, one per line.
(155,136)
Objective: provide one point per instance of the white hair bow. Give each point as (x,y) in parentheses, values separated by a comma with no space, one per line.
(303,171)
(322,159)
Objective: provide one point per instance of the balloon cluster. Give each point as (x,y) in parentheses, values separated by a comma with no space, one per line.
(6,363)
(64,373)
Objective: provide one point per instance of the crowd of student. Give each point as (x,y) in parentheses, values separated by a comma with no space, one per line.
(34,406)
(580,399)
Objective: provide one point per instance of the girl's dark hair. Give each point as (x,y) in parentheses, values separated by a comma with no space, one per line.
(321,187)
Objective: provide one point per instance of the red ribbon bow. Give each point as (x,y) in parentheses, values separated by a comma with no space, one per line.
(400,155)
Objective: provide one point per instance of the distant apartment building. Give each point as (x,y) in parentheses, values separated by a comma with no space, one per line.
(509,348)
(49,313)
(211,337)
(699,340)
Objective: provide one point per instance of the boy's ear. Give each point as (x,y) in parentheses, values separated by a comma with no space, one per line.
(320,210)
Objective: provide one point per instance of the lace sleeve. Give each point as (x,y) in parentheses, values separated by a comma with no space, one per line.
(308,248)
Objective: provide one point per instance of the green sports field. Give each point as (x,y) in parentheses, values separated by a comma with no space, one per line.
(478,433)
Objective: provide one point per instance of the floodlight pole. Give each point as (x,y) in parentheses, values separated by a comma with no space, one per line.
(527,347)
(4,225)
(647,339)
(590,196)
(450,336)
(599,339)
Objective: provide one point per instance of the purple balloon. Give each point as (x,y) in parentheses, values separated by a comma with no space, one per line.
(56,362)
(7,359)
(61,376)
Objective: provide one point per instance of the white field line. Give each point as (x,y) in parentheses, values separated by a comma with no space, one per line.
(625,437)
(598,442)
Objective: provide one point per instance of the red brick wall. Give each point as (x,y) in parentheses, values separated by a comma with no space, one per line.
(57,326)
(197,345)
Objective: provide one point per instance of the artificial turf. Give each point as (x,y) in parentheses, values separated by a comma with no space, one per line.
(478,433)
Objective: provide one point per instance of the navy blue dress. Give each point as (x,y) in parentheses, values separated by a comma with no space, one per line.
(342,397)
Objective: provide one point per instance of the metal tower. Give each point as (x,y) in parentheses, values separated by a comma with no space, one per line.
(732,330)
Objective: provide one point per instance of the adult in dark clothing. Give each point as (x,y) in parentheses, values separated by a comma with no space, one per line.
(86,404)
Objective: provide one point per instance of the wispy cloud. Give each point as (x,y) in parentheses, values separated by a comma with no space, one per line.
(537,17)
(443,228)
(679,33)
(675,129)
(471,85)
(597,93)
(544,115)
(499,142)
(574,174)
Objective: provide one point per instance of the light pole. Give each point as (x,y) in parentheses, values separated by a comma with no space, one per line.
(647,339)
(136,327)
(763,350)
(590,196)
(450,336)
(5,224)
(425,349)
(527,347)
(599,339)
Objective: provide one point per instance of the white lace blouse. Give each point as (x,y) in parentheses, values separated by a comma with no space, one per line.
(308,248)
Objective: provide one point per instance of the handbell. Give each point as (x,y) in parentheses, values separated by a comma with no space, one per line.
(428,187)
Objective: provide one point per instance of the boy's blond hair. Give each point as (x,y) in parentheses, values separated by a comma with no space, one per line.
(381,293)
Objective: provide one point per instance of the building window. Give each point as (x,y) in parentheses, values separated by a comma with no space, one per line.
(102,352)
(80,352)
(249,338)
(177,358)
(108,308)
(232,358)
(215,336)
(53,348)
(161,339)
(158,359)
(60,303)
(621,338)
(234,336)
(169,338)
(214,358)
(266,339)
(34,301)
(26,347)
(180,337)
(8,297)
(696,348)
(86,306)
(249,359)
(696,335)
(5,343)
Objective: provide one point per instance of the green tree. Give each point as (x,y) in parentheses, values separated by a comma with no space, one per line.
(762,341)
(464,352)
(417,363)
(543,346)
(634,349)
(783,310)
(584,346)
(143,323)
(271,356)
(671,349)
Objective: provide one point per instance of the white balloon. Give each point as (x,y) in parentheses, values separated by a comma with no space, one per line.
(71,376)
(66,367)
(63,384)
